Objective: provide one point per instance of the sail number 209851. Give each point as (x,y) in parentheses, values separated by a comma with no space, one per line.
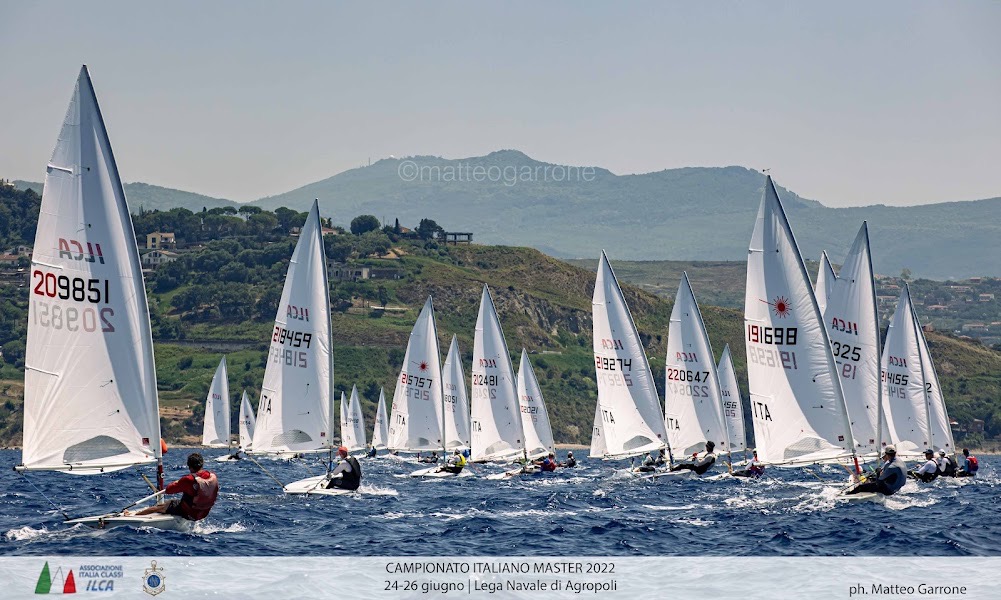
(78,289)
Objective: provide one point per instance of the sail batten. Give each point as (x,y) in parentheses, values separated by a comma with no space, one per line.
(90,381)
(628,417)
(798,407)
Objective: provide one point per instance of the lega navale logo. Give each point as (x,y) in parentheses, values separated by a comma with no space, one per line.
(153,580)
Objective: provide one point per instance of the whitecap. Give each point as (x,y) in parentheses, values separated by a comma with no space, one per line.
(26,533)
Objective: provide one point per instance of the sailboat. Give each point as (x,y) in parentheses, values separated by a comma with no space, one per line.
(456,402)
(248,422)
(534,416)
(380,431)
(915,410)
(798,407)
(853,326)
(693,406)
(216,428)
(825,281)
(628,420)
(90,397)
(496,427)
(733,408)
(295,412)
(353,429)
(416,421)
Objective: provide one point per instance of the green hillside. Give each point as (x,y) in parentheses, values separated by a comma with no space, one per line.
(222,297)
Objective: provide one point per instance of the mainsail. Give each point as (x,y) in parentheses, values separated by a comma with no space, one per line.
(797,404)
(628,416)
(353,434)
(853,327)
(456,402)
(380,433)
(733,408)
(534,416)
(693,408)
(904,401)
(296,407)
(825,281)
(495,417)
(940,437)
(215,430)
(247,423)
(90,399)
(415,424)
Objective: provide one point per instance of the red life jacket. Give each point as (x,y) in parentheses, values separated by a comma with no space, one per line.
(206,491)
(974,464)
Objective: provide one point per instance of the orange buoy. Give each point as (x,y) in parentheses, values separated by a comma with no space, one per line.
(163,446)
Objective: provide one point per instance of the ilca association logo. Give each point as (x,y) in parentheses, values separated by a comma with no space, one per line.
(65,583)
(95,577)
(153,580)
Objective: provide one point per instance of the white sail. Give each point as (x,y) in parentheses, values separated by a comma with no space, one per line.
(90,399)
(342,422)
(904,403)
(534,416)
(295,411)
(247,423)
(355,430)
(825,281)
(853,326)
(415,424)
(940,432)
(380,433)
(495,416)
(797,404)
(632,421)
(456,402)
(598,447)
(215,430)
(693,406)
(733,408)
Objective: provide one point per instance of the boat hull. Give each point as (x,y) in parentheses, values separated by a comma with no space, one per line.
(156,521)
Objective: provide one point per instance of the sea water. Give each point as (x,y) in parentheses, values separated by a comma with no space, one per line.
(594,510)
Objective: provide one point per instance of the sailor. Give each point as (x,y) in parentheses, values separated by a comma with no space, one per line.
(548,463)
(970,466)
(428,459)
(571,462)
(199,490)
(947,465)
(928,471)
(699,466)
(650,463)
(371,452)
(347,474)
(754,468)
(890,477)
(455,463)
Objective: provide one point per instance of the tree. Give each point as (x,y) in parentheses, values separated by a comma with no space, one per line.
(428,229)
(383,296)
(363,224)
(905,274)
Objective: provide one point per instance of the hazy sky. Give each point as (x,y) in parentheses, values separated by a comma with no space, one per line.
(847,102)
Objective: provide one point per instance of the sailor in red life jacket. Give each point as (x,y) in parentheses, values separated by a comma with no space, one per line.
(970,468)
(199,490)
(548,463)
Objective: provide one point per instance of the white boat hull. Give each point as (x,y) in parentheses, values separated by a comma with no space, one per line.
(864,497)
(227,458)
(155,521)
(437,473)
(315,486)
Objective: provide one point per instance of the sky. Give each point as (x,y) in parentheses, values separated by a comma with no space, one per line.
(849,103)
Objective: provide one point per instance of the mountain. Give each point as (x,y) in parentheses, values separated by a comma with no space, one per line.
(153,197)
(693,213)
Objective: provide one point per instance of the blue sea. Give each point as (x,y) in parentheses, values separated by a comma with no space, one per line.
(594,510)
